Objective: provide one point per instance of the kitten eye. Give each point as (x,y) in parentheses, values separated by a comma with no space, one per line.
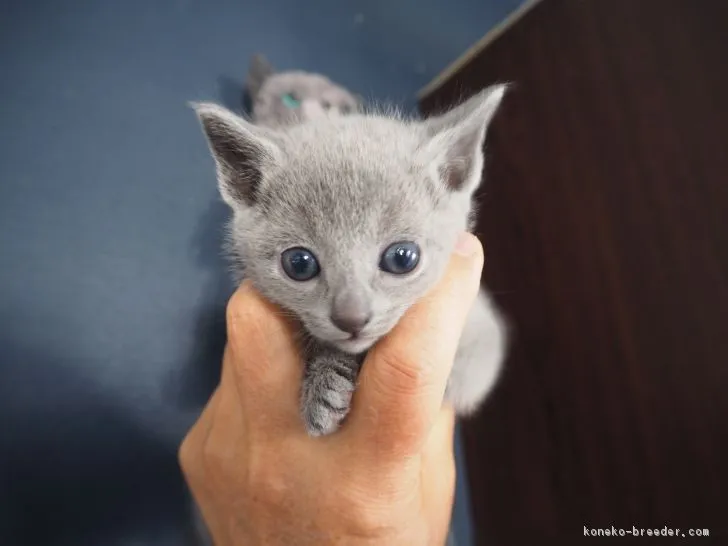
(400,258)
(346,109)
(326,104)
(290,100)
(300,264)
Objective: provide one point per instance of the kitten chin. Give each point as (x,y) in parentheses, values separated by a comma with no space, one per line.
(355,346)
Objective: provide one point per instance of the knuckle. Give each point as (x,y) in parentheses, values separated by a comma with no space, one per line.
(266,477)
(193,461)
(369,504)
(403,373)
(366,516)
(185,456)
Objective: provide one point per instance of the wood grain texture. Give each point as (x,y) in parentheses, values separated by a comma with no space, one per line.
(605,219)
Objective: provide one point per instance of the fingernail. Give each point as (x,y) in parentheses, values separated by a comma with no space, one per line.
(466,244)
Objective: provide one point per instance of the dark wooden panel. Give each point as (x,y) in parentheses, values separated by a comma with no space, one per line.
(605,218)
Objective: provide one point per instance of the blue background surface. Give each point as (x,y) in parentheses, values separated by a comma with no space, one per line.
(112,287)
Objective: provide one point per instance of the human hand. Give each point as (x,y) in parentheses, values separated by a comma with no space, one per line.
(385,478)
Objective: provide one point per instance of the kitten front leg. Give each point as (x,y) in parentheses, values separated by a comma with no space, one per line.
(328,383)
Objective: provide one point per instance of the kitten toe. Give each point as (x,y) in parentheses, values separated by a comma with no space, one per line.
(326,401)
(321,420)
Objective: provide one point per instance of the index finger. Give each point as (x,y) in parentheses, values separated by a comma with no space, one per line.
(404,376)
(263,359)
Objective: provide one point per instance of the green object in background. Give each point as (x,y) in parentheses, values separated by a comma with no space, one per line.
(290,101)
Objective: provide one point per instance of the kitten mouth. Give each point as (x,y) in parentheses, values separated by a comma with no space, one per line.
(355,344)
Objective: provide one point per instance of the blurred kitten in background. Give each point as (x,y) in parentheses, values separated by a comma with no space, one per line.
(279,99)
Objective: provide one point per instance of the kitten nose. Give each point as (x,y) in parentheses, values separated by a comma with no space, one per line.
(312,109)
(351,322)
(350,314)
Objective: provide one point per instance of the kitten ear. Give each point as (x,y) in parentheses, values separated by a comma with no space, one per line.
(456,138)
(259,71)
(241,151)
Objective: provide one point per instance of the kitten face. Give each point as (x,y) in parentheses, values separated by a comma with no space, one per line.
(348,190)
(288,98)
(346,209)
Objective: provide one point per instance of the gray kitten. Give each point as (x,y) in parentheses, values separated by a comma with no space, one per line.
(280,99)
(348,221)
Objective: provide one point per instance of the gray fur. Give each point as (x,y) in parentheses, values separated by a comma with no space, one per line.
(346,188)
(317,95)
(259,71)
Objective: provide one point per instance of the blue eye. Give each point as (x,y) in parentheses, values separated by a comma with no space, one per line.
(400,258)
(290,101)
(300,264)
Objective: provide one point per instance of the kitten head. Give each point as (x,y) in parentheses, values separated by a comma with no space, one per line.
(286,98)
(346,222)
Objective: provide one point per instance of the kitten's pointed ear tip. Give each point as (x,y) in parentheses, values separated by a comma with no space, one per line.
(494,94)
(209,112)
(260,61)
(487,102)
(204,108)
(498,91)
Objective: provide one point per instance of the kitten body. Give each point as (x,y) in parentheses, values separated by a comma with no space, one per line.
(347,190)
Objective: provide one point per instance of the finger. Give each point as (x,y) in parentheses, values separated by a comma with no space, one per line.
(404,376)
(263,358)
(438,470)
(440,443)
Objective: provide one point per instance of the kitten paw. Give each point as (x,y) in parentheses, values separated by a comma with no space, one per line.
(326,399)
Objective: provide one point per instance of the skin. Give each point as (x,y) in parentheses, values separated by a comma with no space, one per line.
(385,478)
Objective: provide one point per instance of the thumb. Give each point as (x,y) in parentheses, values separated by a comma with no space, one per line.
(404,376)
